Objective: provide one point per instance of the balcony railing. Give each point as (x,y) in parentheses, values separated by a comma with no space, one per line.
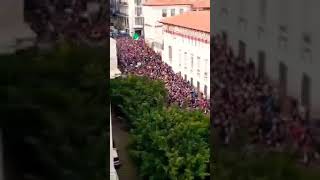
(198,72)
(124,3)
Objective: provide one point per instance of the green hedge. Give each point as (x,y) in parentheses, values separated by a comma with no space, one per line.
(168,142)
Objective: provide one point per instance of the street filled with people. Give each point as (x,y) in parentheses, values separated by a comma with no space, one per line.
(137,58)
(243,100)
(53,19)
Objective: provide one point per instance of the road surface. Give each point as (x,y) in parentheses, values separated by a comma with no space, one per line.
(127,171)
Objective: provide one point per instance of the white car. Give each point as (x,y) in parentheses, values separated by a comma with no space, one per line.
(116,159)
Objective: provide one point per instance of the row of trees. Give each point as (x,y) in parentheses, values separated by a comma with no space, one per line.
(57,111)
(168,142)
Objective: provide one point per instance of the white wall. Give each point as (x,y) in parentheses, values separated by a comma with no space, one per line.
(152,16)
(131,14)
(299,16)
(200,49)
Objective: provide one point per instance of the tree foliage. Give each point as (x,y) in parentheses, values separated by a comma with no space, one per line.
(169,143)
(56,126)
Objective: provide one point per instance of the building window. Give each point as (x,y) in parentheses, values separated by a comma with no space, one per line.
(206,63)
(283,38)
(305,90)
(137,2)
(242,7)
(198,85)
(139,21)
(261,63)
(260,32)
(263,11)
(243,23)
(205,77)
(205,91)
(170,54)
(191,82)
(283,80)
(198,66)
(181,11)
(224,8)
(138,11)
(307,55)
(173,12)
(179,57)
(306,52)
(206,67)
(185,60)
(164,13)
(191,62)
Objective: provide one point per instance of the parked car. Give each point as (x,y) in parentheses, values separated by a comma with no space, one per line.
(116,159)
(123,33)
(115,155)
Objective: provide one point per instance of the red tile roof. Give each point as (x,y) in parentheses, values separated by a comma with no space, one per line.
(194,3)
(197,20)
(167,2)
(201,4)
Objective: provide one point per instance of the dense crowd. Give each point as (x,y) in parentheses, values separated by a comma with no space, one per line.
(53,19)
(245,101)
(135,57)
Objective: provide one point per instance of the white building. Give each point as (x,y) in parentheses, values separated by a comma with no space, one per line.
(130,16)
(156,10)
(15,34)
(113,73)
(282,37)
(187,47)
(114,8)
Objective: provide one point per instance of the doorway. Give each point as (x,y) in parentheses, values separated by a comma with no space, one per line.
(138,32)
(224,36)
(205,91)
(261,63)
(242,50)
(305,93)
(283,72)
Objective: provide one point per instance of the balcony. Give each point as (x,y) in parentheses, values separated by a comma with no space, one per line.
(123,11)
(198,72)
(206,76)
(139,21)
(123,3)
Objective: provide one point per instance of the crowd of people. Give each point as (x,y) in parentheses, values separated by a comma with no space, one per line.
(53,19)
(243,100)
(137,58)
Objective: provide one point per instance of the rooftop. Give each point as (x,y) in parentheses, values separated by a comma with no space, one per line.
(197,20)
(201,4)
(194,3)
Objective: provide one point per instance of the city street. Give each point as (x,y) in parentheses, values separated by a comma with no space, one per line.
(121,139)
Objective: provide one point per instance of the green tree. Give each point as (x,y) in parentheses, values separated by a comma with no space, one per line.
(168,142)
(57,110)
